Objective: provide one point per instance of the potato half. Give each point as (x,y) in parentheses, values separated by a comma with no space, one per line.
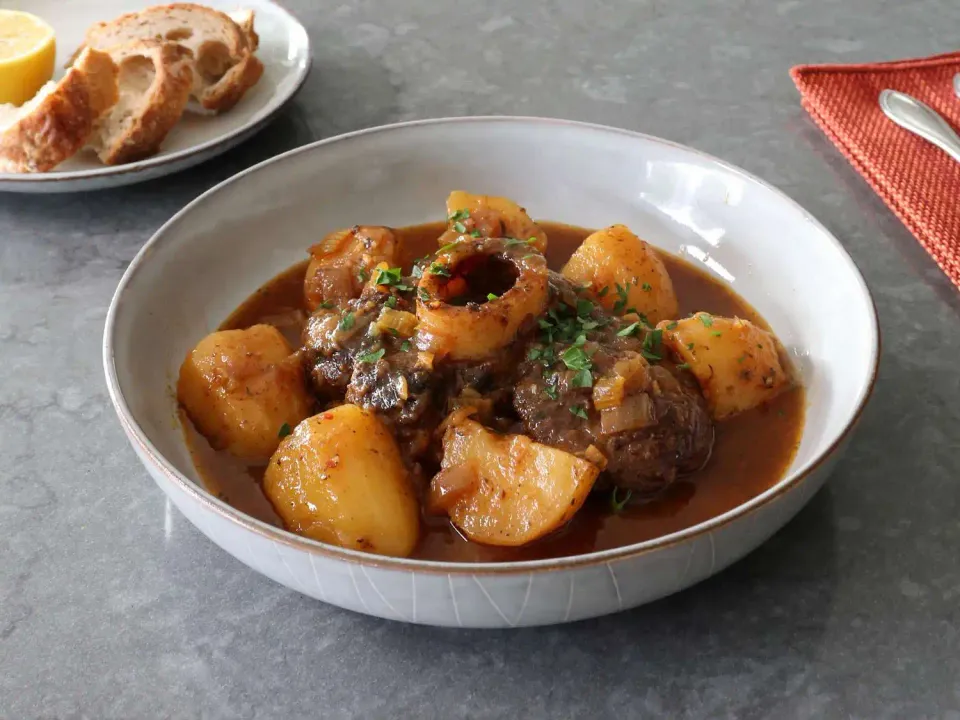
(737,364)
(240,387)
(507,489)
(339,479)
(624,273)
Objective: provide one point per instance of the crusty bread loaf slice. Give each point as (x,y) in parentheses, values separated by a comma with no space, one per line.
(155,81)
(224,64)
(244,19)
(60,119)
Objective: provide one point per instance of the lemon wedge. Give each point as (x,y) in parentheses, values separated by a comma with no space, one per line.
(27,54)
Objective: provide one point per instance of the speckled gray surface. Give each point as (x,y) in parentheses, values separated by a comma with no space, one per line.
(112,606)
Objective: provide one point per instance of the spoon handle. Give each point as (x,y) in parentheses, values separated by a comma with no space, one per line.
(919,118)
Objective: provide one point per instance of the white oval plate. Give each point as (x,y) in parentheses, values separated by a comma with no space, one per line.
(227,243)
(284,51)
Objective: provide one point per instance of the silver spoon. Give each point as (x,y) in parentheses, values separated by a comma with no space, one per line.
(919,118)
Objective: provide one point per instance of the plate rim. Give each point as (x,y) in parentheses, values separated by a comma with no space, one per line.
(599,557)
(159,161)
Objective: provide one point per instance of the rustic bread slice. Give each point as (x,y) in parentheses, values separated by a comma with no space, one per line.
(244,20)
(60,119)
(155,81)
(224,64)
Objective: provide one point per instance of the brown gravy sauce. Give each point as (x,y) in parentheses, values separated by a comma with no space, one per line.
(751,453)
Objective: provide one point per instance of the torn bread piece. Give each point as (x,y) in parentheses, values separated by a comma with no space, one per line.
(61,118)
(244,19)
(224,64)
(155,81)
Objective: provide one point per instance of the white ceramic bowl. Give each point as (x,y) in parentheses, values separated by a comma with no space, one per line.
(221,247)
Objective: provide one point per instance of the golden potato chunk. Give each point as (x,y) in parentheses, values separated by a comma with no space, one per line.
(491,217)
(240,387)
(339,479)
(343,262)
(737,365)
(507,489)
(624,273)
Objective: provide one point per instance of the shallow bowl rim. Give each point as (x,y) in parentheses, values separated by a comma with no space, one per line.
(211,503)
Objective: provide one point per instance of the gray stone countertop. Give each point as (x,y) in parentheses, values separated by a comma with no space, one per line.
(113,606)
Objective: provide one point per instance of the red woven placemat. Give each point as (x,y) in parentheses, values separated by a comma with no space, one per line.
(918,181)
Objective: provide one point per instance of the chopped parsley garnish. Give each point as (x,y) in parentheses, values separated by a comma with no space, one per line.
(690,346)
(475,233)
(683,366)
(622,297)
(705,319)
(423,294)
(603,291)
(584,378)
(629,330)
(326,304)
(391,301)
(651,345)
(405,346)
(646,287)
(417,271)
(742,358)
(579,411)
(439,269)
(672,326)
(445,248)
(575,358)
(284,431)
(616,502)
(459,227)
(584,307)
(372,357)
(534,353)
(347,321)
(716,333)
(492,296)
(514,241)
(551,392)
(390,276)
(459,215)
(650,356)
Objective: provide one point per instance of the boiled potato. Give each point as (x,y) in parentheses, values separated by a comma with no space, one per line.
(492,217)
(342,263)
(737,365)
(339,479)
(624,273)
(507,489)
(240,387)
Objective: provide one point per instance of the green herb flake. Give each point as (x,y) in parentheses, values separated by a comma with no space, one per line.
(389,276)
(492,296)
(284,431)
(650,355)
(705,319)
(672,325)
(439,269)
(347,321)
(417,271)
(716,333)
(584,307)
(629,330)
(579,411)
(623,297)
(391,301)
(326,304)
(534,353)
(475,233)
(646,287)
(446,248)
(576,359)
(362,274)
(459,215)
(689,346)
(603,291)
(405,346)
(584,378)
(423,294)
(551,392)
(515,241)
(683,366)
(372,357)
(459,227)
(616,502)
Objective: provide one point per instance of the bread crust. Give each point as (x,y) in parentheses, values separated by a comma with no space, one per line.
(63,121)
(161,106)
